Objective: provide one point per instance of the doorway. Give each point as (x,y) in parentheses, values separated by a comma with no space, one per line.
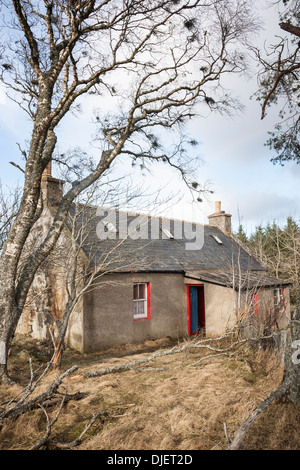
(195,309)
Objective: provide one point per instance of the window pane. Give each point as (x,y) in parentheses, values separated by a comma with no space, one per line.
(139,291)
(141,307)
(142,291)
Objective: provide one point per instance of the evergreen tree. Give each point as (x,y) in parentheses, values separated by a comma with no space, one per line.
(278,247)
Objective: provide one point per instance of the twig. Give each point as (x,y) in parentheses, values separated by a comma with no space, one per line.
(17,166)
(50,424)
(78,440)
(205,343)
(22,407)
(209,356)
(226,434)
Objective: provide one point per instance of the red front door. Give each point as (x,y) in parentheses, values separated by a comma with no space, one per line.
(196,308)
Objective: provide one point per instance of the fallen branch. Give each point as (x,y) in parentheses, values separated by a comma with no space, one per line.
(78,440)
(45,439)
(289,388)
(52,401)
(209,356)
(48,397)
(101,415)
(280,392)
(129,365)
(226,434)
(194,364)
(205,344)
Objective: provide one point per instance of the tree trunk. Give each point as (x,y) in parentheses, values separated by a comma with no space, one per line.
(290,28)
(60,342)
(56,360)
(8,320)
(289,390)
(292,355)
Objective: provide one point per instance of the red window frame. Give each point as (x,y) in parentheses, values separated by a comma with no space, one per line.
(253,306)
(256,304)
(148,303)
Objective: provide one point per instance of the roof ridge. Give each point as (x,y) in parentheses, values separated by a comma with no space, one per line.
(162,217)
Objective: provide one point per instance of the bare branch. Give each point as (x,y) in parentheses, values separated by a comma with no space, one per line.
(290,28)
(237,441)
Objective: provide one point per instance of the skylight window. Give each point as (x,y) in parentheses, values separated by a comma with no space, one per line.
(217,239)
(167,233)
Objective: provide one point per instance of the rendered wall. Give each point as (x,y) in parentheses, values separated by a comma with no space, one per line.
(47,297)
(108,310)
(219,307)
(264,317)
(45,308)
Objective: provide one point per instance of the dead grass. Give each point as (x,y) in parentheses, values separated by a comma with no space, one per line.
(277,429)
(165,406)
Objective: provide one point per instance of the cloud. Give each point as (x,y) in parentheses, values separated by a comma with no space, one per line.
(264,207)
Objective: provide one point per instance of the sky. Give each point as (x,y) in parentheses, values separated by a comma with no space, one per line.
(236,163)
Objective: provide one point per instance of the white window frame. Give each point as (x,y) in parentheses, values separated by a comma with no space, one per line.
(167,233)
(138,316)
(217,239)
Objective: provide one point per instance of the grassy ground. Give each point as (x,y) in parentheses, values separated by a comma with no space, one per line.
(168,404)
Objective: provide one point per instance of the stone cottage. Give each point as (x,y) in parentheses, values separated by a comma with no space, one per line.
(151,277)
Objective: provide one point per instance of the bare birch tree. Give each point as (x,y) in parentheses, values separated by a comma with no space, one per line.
(171,57)
(77,258)
(9,203)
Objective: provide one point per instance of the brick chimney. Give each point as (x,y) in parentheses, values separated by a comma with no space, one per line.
(52,188)
(220,219)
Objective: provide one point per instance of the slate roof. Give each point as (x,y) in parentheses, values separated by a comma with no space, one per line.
(238,279)
(214,262)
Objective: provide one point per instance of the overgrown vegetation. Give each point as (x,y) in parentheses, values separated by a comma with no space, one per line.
(176,401)
(278,246)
